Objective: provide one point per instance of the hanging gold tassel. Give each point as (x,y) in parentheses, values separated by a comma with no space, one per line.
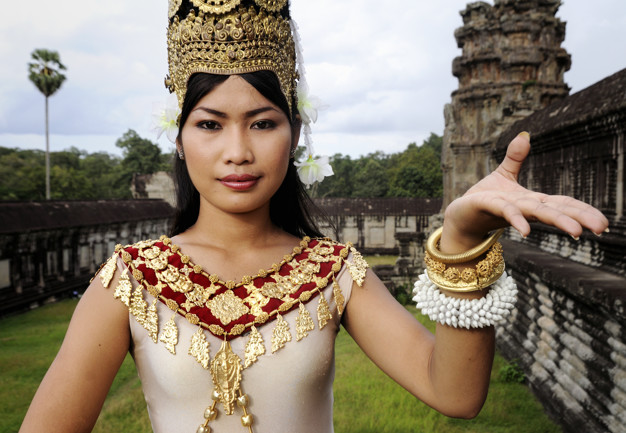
(281,334)
(254,348)
(338,295)
(323,312)
(304,323)
(107,272)
(152,321)
(226,373)
(199,349)
(138,306)
(169,336)
(124,288)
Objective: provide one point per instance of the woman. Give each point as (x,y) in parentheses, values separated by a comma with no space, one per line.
(240,346)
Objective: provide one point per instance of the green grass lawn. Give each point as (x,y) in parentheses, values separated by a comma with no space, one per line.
(366,400)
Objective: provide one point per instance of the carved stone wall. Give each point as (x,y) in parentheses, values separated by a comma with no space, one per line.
(511,65)
(568,332)
(374,224)
(569,328)
(48,250)
(159,185)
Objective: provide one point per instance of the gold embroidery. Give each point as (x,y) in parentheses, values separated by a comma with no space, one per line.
(138,306)
(238,329)
(171,304)
(126,257)
(154,291)
(124,288)
(107,272)
(137,274)
(256,301)
(226,374)
(254,348)
(216,330)
(304,323)
(358,267)
(227,307)
(152,321)
(323,312)
(193,319)
(281,334)
(169,336)
(199,349)
(338,296)
(169,275)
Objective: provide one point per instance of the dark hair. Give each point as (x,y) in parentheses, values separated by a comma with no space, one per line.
(290,207)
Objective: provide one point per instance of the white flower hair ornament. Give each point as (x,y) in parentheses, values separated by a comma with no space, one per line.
(165,118)
(312,169)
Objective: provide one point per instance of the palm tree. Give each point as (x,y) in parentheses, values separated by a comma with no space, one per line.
(45,74)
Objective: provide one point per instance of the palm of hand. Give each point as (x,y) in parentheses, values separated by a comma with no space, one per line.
(498,201)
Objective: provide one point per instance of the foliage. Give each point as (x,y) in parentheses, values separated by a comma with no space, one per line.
(511,373)
(45,71)
(415,172)
(366,400)
(76,174)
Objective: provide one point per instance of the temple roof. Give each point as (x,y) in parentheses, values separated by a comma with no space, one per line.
(605,98)
(18,217)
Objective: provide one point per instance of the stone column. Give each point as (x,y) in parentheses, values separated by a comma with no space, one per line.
(511,65)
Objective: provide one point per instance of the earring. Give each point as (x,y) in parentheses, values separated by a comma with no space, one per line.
(292,154)
(181,154)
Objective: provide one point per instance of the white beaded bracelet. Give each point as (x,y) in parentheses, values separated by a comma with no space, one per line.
(489,310)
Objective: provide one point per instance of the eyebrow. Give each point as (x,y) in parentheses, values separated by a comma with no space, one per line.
(247,114)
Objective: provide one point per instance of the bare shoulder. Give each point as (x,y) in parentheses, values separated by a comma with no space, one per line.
(71,394)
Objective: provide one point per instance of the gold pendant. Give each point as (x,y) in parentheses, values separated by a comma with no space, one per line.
(254,348)
(281,334)
(199,349)
(339,298)
(304,323)
(226,373)
(107,272)
(124,289)
(323,312)
(169,336)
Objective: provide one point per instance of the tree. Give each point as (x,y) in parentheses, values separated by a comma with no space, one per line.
(45,74)
(141,156)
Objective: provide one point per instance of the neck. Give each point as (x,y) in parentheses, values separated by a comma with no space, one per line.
(223,229)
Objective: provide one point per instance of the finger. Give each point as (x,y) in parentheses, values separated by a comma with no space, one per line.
(559,216)
(586,215)
(516,153)
(520,210)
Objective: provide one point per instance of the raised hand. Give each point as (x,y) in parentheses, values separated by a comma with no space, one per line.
(498,201)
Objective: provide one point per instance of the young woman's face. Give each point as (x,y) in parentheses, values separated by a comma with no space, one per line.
(236,145)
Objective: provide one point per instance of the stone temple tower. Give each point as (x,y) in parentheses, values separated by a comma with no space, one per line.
(511,65)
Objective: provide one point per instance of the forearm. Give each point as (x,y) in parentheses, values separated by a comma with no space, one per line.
(459,369)
(461,361)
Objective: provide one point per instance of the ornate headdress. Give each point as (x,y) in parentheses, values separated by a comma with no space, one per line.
(228,37)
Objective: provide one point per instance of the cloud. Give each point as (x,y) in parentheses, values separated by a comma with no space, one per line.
(383,68)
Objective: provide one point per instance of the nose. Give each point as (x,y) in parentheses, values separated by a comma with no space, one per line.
(238,147)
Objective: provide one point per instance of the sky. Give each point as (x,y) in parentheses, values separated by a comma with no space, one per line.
(384,72)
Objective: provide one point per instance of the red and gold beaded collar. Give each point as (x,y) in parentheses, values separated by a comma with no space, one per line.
(229,309)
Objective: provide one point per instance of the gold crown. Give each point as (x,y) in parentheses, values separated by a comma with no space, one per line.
(230,37)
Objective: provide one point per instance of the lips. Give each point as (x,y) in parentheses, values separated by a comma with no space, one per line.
(239,182)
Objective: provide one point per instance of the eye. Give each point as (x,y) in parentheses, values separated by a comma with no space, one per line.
(209,125)
(263,124)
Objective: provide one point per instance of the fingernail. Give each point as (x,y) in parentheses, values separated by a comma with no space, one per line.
(524,134)
(576,238)
(607,230)
(597,234)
